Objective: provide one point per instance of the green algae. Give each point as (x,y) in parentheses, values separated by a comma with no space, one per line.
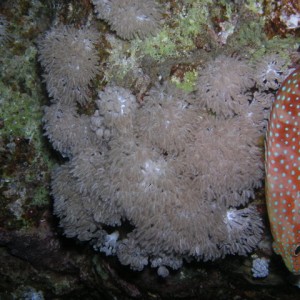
(121,60)
(160,46)
(188,82)
(255,6)
(177,37)
(24,157)
(249,37)
(282,47)
(250,40)
(20,104)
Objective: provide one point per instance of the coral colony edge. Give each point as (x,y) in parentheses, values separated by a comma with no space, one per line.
(162,180)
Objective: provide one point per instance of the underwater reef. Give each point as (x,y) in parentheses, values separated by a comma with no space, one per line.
(154,113)
(179,168)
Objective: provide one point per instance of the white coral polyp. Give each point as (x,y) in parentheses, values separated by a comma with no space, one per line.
(292,21)
(109,247)
(270,71)
(151,169)
(260,267)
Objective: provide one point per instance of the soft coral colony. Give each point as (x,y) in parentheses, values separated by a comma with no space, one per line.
(181,169)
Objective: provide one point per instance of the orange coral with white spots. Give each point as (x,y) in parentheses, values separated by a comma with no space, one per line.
(283,171)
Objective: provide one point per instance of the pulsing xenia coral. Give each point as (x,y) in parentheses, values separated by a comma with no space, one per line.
(129,18)
(180,168)
(222,88)
(218,150)
(166,111)
(72,141)
(69,58)
(182,177)
(116,107)
(229,87)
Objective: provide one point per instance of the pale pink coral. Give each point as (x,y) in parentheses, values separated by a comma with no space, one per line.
(68,132)
(223,84)
(180,169)
(69,58)
(130,18)
(167,112)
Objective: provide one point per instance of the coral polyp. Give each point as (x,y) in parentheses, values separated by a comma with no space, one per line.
(69,58)
(130,18)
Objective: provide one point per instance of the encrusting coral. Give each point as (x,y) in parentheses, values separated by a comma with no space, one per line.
(177,170)
(129,18)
